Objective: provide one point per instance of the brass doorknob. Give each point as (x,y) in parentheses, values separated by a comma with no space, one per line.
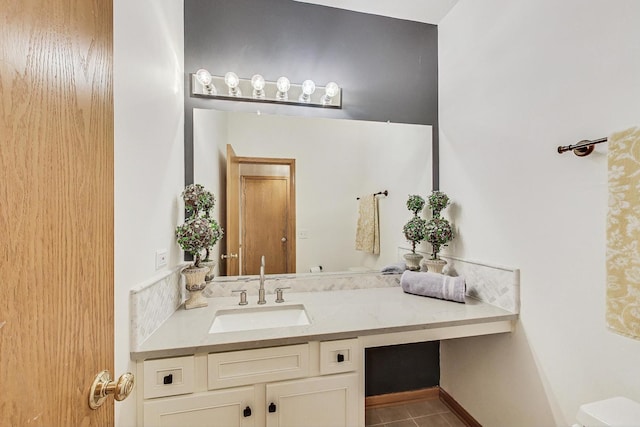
(103,386)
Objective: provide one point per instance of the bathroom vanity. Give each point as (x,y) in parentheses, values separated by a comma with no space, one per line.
(305,371)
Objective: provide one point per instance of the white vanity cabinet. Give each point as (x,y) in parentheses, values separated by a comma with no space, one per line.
(311,384)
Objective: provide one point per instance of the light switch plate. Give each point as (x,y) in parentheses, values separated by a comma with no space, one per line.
(161,258)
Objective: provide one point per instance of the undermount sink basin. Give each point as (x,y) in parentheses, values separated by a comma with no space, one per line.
(246,319)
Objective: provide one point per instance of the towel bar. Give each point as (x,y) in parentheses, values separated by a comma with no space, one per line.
(582,148)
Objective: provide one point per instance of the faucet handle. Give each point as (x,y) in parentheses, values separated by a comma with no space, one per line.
(279,297)
(243,296)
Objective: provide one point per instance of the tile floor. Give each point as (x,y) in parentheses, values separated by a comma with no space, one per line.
(424,413)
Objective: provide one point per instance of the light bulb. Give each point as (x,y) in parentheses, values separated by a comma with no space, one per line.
(258,83)
(330,90)
(283,85)
(308,87)
(231,79)
(205,79)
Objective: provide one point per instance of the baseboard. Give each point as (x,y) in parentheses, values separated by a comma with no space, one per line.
(431,393)
(457,409)
(401,397)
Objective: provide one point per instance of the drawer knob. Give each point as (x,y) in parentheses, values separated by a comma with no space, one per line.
(246,412)
(168,379)
(340,357)
(272,407)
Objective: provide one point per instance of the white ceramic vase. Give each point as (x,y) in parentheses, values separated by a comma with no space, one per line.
(435,265)
(210,264)
(412,261)
(195,283)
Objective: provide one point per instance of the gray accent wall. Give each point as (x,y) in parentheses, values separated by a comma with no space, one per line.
(387,67)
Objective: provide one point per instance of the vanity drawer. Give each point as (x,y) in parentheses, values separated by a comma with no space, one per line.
(247,367)
(339,356)
(168,377)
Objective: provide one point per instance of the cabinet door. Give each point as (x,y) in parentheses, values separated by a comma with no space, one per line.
(211,409)
(314,402)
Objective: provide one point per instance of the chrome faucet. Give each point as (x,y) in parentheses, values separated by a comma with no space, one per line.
(261,299)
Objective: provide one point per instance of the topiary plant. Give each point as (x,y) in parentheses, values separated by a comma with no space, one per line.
(195,236)
(198,203)
(415,204)
(197,200)
(437,202)
(438,229)
(415,231)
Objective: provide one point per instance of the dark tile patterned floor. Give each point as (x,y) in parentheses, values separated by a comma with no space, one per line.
(424,413)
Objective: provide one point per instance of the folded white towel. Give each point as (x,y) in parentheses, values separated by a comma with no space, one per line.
(394,268)
(434,285)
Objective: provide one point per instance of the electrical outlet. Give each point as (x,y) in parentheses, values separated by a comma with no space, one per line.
(161,258)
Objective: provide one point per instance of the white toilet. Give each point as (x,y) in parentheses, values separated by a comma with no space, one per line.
(614,412)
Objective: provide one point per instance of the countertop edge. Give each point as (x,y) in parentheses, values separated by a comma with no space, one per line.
(299,339)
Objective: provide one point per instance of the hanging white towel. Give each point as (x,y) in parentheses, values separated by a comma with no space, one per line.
(623,233)
(368,229)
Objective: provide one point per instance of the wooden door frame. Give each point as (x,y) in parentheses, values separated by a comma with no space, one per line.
(233,233)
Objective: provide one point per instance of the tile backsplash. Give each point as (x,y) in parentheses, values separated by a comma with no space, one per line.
(152,302)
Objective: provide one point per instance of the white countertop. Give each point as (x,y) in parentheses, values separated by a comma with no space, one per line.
(333,315)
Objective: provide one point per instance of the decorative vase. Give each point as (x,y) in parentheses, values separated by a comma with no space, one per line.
(195,283)
(210,264)
(412,261)
(435,265)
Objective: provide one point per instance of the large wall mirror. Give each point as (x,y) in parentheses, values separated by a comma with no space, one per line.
(336,161)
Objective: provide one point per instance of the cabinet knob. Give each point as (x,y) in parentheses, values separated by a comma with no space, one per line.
(340,357)
(246,412)
(168,379)
(272,407)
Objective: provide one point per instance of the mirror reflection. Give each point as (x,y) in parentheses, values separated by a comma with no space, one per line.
(320,167)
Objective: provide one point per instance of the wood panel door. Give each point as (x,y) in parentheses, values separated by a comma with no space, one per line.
(56,210)
(265,224)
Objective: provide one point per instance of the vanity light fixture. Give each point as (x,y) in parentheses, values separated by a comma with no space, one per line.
(308,87)
(257,81)
(205,79)
(330,91)
(258,89)
(283,84)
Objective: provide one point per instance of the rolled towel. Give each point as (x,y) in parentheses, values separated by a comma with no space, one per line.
(434,285)
(394,268)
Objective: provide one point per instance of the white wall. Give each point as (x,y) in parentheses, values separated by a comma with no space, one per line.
(336,161)
(149,166)
(517,79)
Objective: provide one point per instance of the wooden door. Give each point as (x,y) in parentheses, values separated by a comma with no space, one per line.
(56,210)
(265,220)
(230,266)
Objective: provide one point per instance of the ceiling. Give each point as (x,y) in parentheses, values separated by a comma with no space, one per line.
(428,11)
